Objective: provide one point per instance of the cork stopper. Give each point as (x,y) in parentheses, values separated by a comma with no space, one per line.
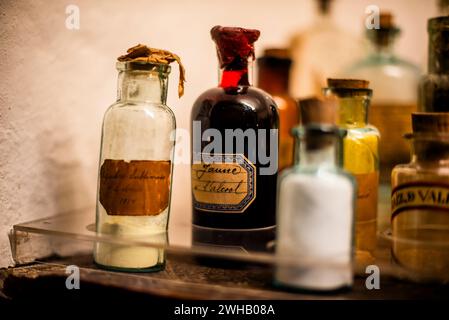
(347,83)
(431,122)
(318,111)
(144,54)
(386,20)
(278,53)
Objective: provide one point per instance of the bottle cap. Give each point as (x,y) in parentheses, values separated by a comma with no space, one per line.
(318,111)
(430,122)
(347,83)
(234,42)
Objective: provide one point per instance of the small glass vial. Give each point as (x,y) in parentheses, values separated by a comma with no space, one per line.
(360,158)
(136,163)
(273,77)
(420,199)
(315,214)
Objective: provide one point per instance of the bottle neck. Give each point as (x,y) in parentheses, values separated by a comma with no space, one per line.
(428,152)
(147,86)
(319,147)
(238,73)
(273,80)
(353,105)
(438,62)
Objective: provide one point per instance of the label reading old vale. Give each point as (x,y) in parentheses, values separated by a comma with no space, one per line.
(134,188)
(226,183)
(419,196)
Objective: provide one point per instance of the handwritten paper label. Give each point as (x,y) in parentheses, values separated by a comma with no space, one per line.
(135,188)
(367,192)
(419,195)
(224,183)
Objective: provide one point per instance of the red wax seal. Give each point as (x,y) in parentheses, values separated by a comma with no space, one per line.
(234,42)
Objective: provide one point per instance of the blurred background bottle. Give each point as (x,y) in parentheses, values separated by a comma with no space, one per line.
(310,49)
(273,77)
(394,82)
(434,86)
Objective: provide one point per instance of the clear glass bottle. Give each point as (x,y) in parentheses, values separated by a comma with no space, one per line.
(136,163)
(360,158)
(420,199)
(273,77)
(315,214)
(310,50)
(394,82)
(434,86)
(233,124)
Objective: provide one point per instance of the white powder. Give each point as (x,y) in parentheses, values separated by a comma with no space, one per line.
(144,228)
(315,225)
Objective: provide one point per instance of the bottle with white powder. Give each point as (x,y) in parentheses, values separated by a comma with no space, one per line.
(315,212)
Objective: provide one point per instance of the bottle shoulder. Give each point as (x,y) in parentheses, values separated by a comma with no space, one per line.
(133,109)
(243,99)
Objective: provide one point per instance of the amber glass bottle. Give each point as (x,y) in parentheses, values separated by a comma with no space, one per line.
(420,199)
(273,77)
(234,142)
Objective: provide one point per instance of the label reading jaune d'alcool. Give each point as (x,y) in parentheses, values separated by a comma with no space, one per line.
(135,188)
(224,183)
(420,196)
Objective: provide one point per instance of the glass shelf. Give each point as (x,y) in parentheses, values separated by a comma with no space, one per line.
(74,234)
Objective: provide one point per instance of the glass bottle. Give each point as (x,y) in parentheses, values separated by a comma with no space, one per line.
(273,77)
(136,163)
(420,199)
(315,214)
(394,82)
(434,87)
(360,158)
(234,143)
(310,50)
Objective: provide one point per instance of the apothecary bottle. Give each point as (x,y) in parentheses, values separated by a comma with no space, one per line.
(434,87)
(360,158)
(273,77)
(234,143)
(394,82)
(136,163)
(315,214)
(420,199)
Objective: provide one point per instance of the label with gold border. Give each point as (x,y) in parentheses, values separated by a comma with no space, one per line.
(223,183)
(420,195)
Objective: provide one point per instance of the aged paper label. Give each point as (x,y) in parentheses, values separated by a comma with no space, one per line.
(367,192)
(135,188)
(420,195)
(226,183)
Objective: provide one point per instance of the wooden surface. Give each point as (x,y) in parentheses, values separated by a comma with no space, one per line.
(185,278)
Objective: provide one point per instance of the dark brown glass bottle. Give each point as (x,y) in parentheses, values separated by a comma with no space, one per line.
(234,184)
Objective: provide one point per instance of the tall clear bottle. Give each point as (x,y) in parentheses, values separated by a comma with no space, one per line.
(234,144)
(136,163)
(273,77)
(320,51)
(394,82)
(360,158)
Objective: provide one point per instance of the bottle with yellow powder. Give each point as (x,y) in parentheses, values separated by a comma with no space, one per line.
(360,158)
